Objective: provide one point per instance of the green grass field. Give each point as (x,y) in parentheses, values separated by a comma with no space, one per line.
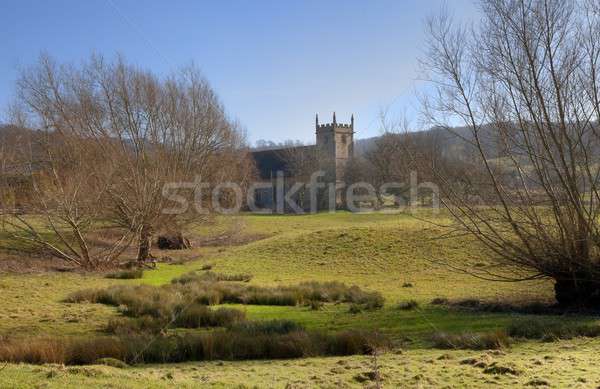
(374,251)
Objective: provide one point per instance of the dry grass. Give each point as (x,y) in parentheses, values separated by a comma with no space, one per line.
(471,341)
(213,277)
(548,329)
(272,341)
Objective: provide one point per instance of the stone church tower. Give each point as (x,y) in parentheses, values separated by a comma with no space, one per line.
(335,147)
(333,150)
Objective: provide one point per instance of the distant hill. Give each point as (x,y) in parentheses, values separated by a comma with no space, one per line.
(450,142)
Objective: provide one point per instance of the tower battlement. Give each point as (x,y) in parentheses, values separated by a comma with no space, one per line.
(334,125)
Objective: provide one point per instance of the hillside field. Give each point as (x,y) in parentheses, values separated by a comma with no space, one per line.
(401,256)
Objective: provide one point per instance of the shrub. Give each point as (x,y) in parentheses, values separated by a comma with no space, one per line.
(408,305)
(126,274)
(471,341)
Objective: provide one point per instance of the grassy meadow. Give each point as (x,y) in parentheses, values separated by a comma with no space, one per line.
(401,256)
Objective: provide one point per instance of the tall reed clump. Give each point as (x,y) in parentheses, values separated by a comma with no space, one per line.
(156,301)
(271,341)
(153,309)
(546,330)
(471,340)
(208,291)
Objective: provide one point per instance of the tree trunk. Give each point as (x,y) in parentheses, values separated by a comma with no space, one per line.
(144,244)
(578,291)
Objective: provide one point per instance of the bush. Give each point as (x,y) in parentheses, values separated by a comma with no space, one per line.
(471,341)
(127,274)
(408,305)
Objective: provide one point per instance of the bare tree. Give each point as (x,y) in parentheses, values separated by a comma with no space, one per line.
(525,84)
(66,203)
(152,133)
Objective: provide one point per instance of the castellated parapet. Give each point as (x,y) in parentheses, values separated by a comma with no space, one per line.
(335,147)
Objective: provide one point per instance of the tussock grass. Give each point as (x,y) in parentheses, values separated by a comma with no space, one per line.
(157,301)
(197,315)
(305,293)
(144,324)
(471,340)
(532,308)
(407,305)
(536,328)
(266,341)
(211,276)
(153,308)
(134,301)
(276,326)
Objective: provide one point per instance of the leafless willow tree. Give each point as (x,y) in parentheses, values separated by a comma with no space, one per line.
(147,135)
(525,84)
(67,199)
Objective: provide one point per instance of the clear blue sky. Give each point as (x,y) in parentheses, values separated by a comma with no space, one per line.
(273,63)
